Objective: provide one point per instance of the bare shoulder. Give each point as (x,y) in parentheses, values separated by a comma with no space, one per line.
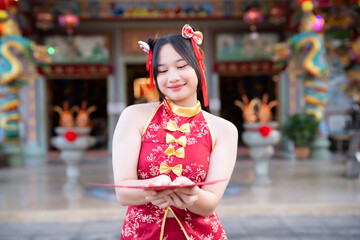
(138,114)
(221,127)
(139,110)
(142,110)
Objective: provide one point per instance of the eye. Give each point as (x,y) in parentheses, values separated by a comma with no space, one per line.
(162,71)
(183,66)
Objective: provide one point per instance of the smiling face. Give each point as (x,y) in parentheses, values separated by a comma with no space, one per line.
(176,79)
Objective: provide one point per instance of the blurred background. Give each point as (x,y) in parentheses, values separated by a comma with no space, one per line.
(285,72)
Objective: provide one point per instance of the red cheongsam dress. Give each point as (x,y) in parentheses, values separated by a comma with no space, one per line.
(177,142)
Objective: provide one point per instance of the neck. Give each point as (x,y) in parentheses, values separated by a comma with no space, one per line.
(185,111)
(189,102)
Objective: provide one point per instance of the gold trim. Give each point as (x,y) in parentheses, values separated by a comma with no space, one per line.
(148,122)
(185,111)
(211,132)
(164,220)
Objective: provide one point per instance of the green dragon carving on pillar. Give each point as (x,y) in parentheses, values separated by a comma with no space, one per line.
(306,56)
(18,58)
(305,53)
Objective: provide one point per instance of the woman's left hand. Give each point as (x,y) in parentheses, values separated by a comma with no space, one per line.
(183,197)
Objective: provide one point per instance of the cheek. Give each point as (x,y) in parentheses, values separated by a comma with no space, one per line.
(160,78)
(192,78)
(161,81)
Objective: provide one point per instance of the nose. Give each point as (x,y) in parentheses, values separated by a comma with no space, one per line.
(173,75)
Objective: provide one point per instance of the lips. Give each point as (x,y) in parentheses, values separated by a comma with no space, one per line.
(176,87)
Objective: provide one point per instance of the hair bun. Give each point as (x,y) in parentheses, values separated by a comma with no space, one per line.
(151,43)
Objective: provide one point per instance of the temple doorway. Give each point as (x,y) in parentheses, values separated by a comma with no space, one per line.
(75,91)
(233,87)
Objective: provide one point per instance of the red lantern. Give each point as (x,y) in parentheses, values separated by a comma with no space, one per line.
(69,21)
(70,136)
(253,16)
(265,130)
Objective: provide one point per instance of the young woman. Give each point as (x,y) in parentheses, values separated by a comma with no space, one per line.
(174,142)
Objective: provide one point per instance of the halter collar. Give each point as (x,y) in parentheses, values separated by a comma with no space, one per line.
(185,111)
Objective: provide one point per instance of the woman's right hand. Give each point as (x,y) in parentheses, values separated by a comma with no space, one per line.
(158,197)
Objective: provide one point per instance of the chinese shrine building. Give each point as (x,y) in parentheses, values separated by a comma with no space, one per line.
(97,59)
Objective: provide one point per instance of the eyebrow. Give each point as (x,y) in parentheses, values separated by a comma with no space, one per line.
(179,60)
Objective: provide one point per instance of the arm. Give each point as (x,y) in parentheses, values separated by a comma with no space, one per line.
(203,201)
(125,153)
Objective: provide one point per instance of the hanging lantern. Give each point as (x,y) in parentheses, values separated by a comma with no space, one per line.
(44,20)
(306,5)
(69,21)
(253,16)
(317,22)
(277,15)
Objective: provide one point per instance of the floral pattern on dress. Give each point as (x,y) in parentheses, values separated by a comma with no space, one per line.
(144,221)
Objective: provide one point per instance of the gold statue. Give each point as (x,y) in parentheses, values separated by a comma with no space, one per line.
(82,118)
(248,108)
(264,113)
(261,113)
(66,115)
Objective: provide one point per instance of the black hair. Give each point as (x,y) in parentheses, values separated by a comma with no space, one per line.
(185,49)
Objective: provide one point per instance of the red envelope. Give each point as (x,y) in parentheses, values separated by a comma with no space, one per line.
(161,188)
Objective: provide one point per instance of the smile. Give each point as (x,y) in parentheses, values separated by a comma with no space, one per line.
(176,87)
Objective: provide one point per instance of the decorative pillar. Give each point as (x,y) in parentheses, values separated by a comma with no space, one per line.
(35,145)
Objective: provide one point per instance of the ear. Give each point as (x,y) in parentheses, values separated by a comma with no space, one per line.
(273,104)
(58,110)
(239,104)
(245,99)
(90,109)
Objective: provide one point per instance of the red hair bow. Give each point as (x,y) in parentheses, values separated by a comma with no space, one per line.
(196,39)
(188,32)
(146,48)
